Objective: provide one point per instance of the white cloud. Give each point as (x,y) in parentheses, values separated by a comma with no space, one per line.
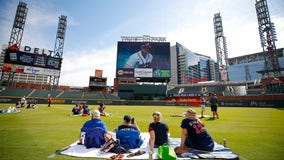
(78,67)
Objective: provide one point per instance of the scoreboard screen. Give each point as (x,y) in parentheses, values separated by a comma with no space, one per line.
(97,82)
(143,60)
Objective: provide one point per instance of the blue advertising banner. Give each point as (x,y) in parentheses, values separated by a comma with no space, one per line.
(32,59)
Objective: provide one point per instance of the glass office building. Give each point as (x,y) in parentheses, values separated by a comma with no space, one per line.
(189,67)
(244,68)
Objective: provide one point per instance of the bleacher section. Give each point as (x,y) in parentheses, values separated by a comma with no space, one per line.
(44,93)
(257,91)
(110,96)
(73,94)
(33,93)
(15,92)
(94,95)
(275,90)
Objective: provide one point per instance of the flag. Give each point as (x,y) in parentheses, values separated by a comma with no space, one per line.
(98,73)
(14,47)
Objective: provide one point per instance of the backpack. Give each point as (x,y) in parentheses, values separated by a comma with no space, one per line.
(129,138)
(113,146)
(94,137)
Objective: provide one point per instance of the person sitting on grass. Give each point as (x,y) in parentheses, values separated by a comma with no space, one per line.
(76,110)
(128,124)
(158,131)
(93,123)
(129,134)
(194,135)
(31,106)
(102,108)
(86,110)
(18,104)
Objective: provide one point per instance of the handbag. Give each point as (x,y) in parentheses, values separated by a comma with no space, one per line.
(166,152)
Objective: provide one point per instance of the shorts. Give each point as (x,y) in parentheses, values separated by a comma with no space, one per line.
(205,145)
(202,107)
(214,108)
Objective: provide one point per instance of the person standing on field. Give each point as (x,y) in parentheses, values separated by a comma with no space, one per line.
(214,105)
(49,100)
(202,104)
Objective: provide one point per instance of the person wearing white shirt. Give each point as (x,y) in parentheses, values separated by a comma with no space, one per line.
(140,59)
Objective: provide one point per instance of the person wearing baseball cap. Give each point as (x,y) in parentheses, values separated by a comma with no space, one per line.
(194,135)
(141,59)
(129,123)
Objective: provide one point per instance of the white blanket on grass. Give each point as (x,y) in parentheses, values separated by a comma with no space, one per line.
(220,152)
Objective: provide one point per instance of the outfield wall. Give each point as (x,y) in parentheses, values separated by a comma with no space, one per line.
(276,101)
(239,101)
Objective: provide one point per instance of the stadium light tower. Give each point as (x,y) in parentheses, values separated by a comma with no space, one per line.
(59,44)
(221,47)
(267,38)
(15,38)
(60,36)
(19,24)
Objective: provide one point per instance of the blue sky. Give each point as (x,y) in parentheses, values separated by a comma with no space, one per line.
(95,26)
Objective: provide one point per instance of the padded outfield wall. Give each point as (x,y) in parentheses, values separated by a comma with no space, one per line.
(276,101)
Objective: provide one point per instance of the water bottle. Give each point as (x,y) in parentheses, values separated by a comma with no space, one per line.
(224,142)
(83,136)
(150,155)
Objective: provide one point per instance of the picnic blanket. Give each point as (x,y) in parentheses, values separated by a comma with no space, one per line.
(220,152)
(10,110)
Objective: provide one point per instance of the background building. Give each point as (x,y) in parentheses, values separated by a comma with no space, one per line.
(188,67)
(246,68)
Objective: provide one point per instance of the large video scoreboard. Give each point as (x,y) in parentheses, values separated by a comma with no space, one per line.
(133,61)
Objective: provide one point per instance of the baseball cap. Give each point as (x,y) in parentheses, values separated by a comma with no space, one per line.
(127,118)
(96,114)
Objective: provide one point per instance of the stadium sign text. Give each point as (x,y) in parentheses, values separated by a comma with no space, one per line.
(37,50)
(144,38)
(33,50)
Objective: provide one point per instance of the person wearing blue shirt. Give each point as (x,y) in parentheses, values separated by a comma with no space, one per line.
(128,124)
(96,122)
(86,109)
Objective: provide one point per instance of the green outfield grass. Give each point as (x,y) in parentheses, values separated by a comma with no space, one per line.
(253,133)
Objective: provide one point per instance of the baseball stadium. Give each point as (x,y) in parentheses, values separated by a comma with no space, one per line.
(151,75)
